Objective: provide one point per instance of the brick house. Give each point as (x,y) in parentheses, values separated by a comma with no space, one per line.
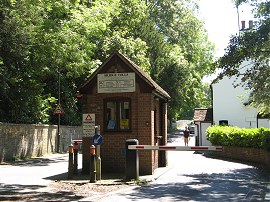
(127,104)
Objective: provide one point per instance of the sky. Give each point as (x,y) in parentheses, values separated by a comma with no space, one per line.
(221,21)
(220,18)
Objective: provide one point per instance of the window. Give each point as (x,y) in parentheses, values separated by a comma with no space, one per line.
(117,115)
(223,122)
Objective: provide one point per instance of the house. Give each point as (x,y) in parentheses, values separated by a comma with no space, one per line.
(230,107)
(127,104)
(231,104)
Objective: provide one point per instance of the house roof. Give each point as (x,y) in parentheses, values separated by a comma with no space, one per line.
(203,115)
(156,88)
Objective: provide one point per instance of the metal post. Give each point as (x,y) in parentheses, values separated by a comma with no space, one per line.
(58,126)
(75,158)
(93,171)
(70,162)
(98,158)
(132,161)
(98,163)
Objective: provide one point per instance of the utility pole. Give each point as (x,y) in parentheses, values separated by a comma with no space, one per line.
(58,126)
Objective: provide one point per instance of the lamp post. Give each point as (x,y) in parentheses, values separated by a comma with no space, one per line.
(58,125)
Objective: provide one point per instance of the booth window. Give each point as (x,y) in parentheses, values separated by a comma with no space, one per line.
(117,115)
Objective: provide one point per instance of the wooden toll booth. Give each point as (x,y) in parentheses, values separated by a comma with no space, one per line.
(127,104)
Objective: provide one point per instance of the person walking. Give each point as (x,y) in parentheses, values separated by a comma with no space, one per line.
(186,136)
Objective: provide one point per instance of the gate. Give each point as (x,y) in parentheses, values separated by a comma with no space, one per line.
(132,157)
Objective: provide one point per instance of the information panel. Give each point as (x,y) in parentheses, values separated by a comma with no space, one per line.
(116,82)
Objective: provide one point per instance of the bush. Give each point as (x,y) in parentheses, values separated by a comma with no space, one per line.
(240,137)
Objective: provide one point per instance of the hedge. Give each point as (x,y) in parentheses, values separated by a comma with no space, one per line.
(240,137)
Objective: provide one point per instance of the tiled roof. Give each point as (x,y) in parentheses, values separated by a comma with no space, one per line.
(203,114)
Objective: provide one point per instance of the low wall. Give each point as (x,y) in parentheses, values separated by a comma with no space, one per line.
(30,140)
(252,155)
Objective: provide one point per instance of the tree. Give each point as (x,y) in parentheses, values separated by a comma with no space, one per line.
(40,40)
(180,53)
(252,45)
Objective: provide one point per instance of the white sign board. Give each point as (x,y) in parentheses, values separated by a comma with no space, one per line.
(88,124)
(116,82)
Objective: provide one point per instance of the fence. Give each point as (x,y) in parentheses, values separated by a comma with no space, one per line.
(29,140)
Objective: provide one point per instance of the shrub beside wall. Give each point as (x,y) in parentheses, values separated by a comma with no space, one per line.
(239,137)
(251,145)
(20,141)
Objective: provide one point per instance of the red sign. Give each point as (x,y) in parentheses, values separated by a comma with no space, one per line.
(58,109)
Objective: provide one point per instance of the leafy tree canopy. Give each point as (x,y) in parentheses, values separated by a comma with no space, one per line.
(49,44)
(252,45)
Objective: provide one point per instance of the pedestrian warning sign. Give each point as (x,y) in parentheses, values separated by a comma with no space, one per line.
(88,124)
(58,109)
(88,118)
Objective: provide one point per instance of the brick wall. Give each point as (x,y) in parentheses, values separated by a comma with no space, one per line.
(31,140)
(113,146)
(252,155)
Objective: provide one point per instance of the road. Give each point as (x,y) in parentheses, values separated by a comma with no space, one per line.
(29,180)
(191,176)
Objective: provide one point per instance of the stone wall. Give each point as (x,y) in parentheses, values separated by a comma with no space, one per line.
(252,155)
(19,141)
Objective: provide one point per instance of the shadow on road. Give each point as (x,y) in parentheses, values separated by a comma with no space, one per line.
(247,186)
(38,161)
(173,136)
(16,192)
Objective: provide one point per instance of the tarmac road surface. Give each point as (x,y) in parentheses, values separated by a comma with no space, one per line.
(191,176)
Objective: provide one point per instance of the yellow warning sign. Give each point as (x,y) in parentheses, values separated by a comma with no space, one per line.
(58,109)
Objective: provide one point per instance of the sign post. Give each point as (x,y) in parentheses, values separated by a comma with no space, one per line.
(97,139)
(88,126)
(58,111)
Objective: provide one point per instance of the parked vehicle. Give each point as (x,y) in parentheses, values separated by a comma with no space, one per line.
(191,128)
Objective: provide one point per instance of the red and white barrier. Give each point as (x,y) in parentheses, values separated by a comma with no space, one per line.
(176,148)
(78,141)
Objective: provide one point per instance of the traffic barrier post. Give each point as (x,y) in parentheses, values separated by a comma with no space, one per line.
(70,162)
(93,171)
(75,148)
(132,161)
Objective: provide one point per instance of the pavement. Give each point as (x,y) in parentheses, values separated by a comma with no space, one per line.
(21,180)
(25,180)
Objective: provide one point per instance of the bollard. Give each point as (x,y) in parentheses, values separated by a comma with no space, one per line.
(98,162)
(70,162)
(93,171)
(75,148)
(132,161)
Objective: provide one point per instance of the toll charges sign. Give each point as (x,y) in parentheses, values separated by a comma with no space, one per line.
(88,124)
(116,82)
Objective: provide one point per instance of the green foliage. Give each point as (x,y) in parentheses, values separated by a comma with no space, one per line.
(40,40)
(240,137)
(252,45)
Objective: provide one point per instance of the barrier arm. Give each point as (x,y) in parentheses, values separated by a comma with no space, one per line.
(176,148)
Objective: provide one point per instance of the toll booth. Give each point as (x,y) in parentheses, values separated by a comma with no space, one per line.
(127,104)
